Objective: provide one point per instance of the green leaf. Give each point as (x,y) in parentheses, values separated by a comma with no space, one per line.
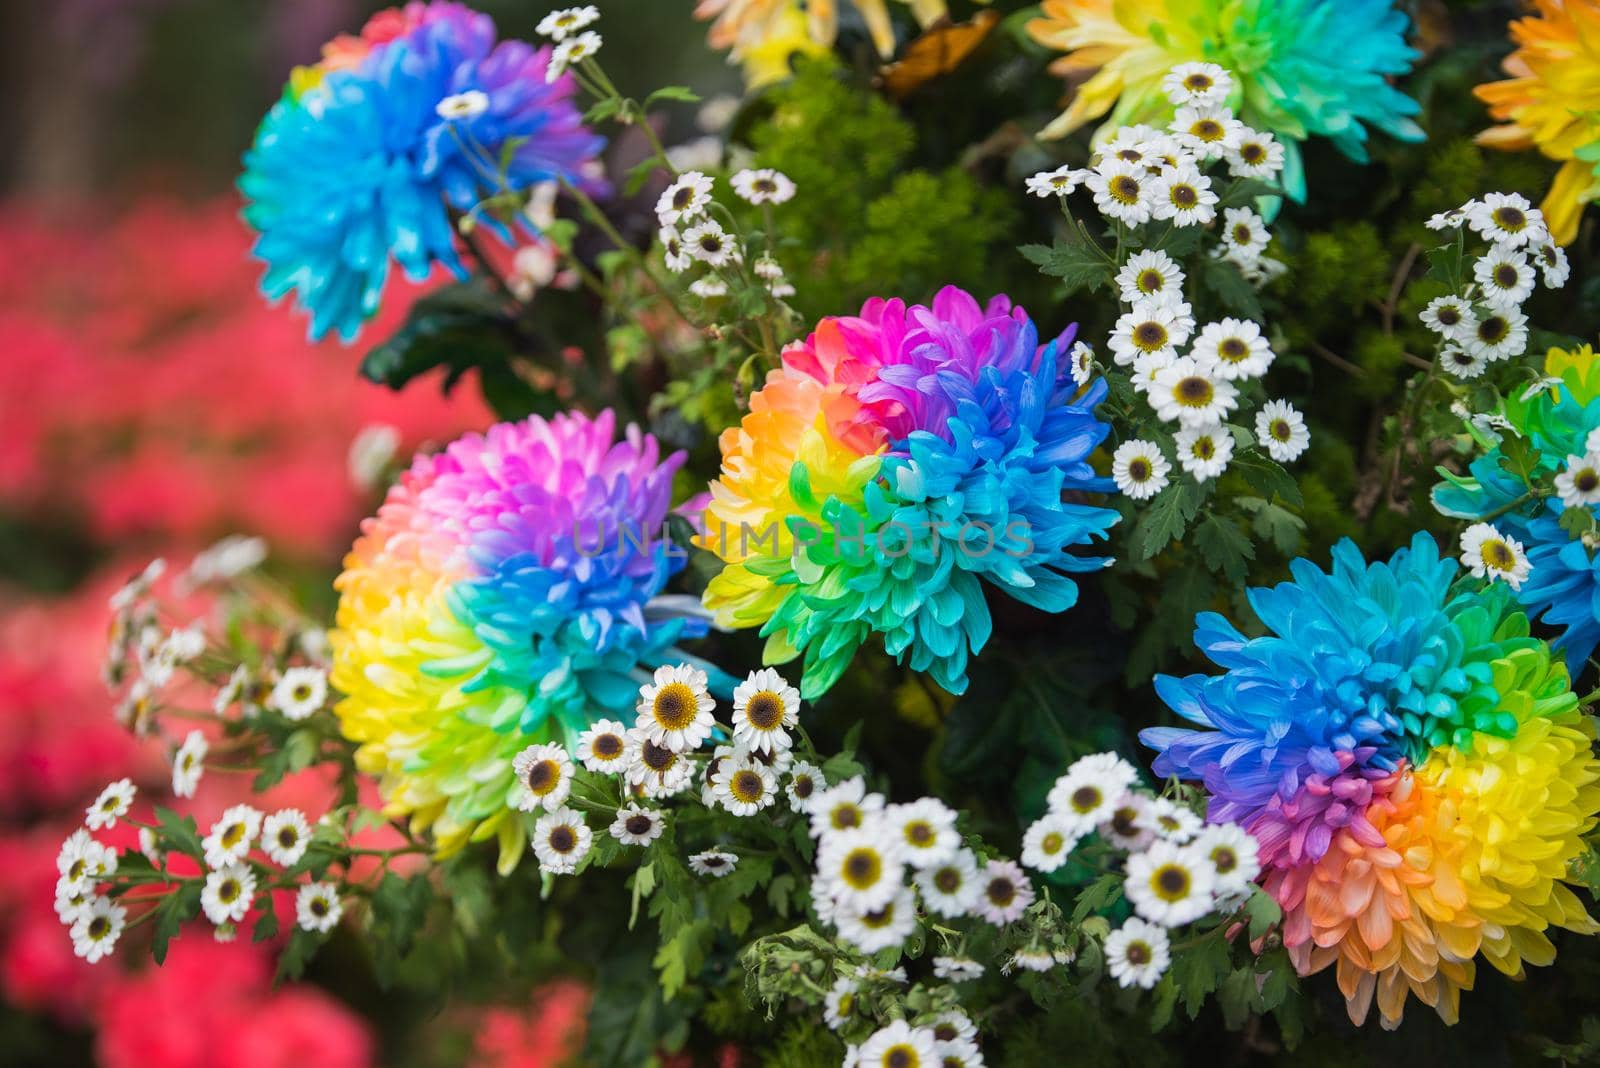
(179,833)
(642,884)
(1079,266)
(1166,518)
(1232,291)
(1264,913)
(266,924)
(1245,192)
(1269,479)
(180,906)
(1198,972)
(680,93)
(303,945)
(1224,547)
(1099,895)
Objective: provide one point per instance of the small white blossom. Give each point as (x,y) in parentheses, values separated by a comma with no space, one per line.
(96,929)
(317,907)
(1201,84)
(229,892)
(1282,430)
(462,106)
(567,20)
(299,692)
(1140,471)
(1490,554)
(112,804)
(764,186)
(285,836)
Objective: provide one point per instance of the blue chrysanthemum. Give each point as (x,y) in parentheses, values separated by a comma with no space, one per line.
(360,168)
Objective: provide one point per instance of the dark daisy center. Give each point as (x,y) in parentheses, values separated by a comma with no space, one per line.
(1243,235)
(881,918)
(764,185)
(657,758)
(1194,391)
(1252,152)
(1586,481)
(1184,196)
(302,692)
(1510,219)
(563,839)
(682,197)
(1449,315)
(764,711)
(945,1032)
(1125,189)
(1001,891)
(232,835)
(900,1057)
(1052,843)
(746,786)
(607,746)
(803,787)
(1139,470)
(228,891)
(1505,276)
(1498,555)
(1233,349)
(862,868)
(714,862)
(1130,155)
(638,824)
(1137,953)
(920,834)
(319,907)
(1151,281)
(1085,798)
(1198,82)
(1280,430)
(1125,821)
(1204,448)
(676,706)
(1172,882)
(1207,130)
(542,777)
(1150,336)
(1494,330)
(1224,859)
(287,837)
(948,880)
(846,816)
(99,927)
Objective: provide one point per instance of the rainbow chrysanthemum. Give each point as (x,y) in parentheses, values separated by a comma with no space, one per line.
(1415,766)
(1301,68)
(354,167)
(1563,588)
(1552,102)
(508,591)
(896,461)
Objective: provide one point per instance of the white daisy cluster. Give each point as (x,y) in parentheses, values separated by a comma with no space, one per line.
(750,766)
(574,42)
(83,866)
(1483,322)
(901,1044)
(233,875)
(1177,870)
(690,234)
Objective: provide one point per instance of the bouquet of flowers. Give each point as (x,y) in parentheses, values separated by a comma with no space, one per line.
(987,426)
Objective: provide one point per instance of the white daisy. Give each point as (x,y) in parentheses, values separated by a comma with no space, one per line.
(1172,821)
(899,1045)
(1029,960)
(861,868)
(73,897)
(299,692)
(1150,275)
(228,893)
(767,269)
(1139,469)
(655,769)
(1463,363)
(1137,953)
(285,835)
(924,831)
(673,252)
(1449,220)
(713,862)
(763,705)
(1057,183)
(884,927)
(1508,219)
(1578,484)
(1199,84)
(1490,554)
(1282,430)
(1505,277)
(1183,195)
(1089,787)
(709,243)
(1081,364)
(708,288)
(567,20)
(96,929)
(744,787)
(603,747)
(188,764)
(1049,841)
(843,806)
(1004,892)
(839,1004)
(1233,853)
(957,969)
(764,186)
(1244,233)
(685,199)
(1204,451)
(675,708)
(561,840)
(1119,191)
(1450,317)
(805,783)
(1145,368)
(150,846)
(84,861)
(1150,328)
(1169,884)
(1500,335)
(231,836)
(1127,823)
(1256,155)
(1209,131)
(544,774)
(1233,348)
(951,887)
(1192,393)
(637,825)
(572,50)
(317,907)
(953,1025)
(1165,151)
(112,804)
(1128,144)
(462,106)
(1552,261)
(230,691)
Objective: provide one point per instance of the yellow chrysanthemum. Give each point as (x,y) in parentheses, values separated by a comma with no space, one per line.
(1552,102)
(763,34)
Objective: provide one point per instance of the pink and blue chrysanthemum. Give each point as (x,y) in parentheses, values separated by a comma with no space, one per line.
(360,169)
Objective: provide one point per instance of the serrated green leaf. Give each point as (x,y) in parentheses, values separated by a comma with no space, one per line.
(1079,266)
(1224,547)
(1099,895)
(266,924)
(1263,911)
(179,907)
(1232,291)
(1165,519)
(179,833)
